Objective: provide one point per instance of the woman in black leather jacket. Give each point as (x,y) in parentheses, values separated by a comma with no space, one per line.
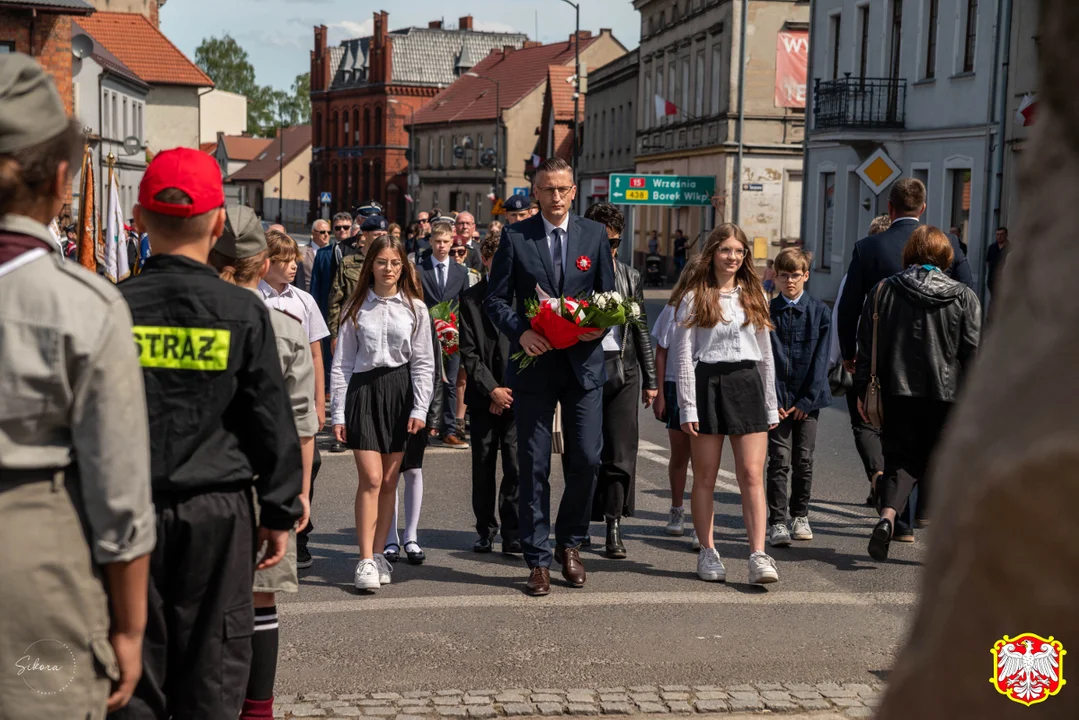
(928,333)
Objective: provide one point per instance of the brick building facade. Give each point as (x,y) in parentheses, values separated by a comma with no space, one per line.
(363,94)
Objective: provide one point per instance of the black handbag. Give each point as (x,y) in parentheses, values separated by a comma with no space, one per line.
(616,367)
(839,380)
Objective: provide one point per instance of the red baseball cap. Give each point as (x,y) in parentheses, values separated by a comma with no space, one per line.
(191,171)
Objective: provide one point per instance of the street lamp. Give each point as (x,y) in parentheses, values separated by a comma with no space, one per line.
(412,155)
(576,93)
(498,129)
(281,126)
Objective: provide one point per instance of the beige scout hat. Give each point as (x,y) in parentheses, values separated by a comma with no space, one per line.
(31,110)
(243,236)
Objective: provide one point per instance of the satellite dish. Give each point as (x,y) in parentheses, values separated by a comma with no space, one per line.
(81,46)
(132,145)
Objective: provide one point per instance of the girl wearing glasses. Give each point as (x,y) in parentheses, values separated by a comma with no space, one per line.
(726,387)
(382,382)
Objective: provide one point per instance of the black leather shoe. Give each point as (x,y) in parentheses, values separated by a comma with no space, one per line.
(572,568)
(337,447)
(512,547)
(392,553)
(539,582)
(880,540)
(483,545)
(415,553)
(615,548)
(587,542)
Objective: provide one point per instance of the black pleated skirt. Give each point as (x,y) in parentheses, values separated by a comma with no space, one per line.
(730,399)
(377,406)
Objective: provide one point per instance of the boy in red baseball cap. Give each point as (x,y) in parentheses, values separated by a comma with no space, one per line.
(219,418)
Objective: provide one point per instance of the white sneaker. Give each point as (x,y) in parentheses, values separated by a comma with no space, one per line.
(677,524)
(696,544)
(710,566)
(762,569)
(366,575)
(384,569)
(800,529)
(778,535)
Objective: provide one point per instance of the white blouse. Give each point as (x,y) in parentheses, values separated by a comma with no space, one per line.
(663,332)
(730,341)
(385,334)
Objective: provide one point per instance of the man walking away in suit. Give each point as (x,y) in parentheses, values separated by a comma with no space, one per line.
(559,254)
(485,352)
(444,279)
(629,359)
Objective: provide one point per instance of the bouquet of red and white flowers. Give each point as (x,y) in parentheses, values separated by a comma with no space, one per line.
(559,320)
(444,316)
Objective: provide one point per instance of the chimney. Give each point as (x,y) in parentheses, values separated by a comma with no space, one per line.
(507,49)
(465,23)
(531,44)
(435,25)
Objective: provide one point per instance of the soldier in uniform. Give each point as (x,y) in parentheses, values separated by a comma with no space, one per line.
(220,426)
(349,266)
(75,512)
(517,209)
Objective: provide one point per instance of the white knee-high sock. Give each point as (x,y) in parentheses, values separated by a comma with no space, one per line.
(392,538)
(413,503)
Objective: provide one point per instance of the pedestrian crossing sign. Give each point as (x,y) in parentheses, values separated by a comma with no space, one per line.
(878,171)
(324,198)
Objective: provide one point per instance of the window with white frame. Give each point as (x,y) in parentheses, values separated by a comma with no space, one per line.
(836,27)
(685,87)
(717,77)
(671,75)
(970,36)
(863,41)
(896,43)
(959,213)
(659,90)
(646,121)
(698,105)
(827,236)
(932,14)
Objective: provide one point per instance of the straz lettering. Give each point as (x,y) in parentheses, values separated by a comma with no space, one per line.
(177,348)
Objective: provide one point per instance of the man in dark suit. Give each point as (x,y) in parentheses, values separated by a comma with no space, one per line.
(559,254)
(444,279)
(880,256)
(631,362)
(485,352)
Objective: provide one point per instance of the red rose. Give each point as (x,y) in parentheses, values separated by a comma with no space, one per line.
(583,263)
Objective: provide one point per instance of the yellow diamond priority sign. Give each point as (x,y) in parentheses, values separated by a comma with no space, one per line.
(878,171)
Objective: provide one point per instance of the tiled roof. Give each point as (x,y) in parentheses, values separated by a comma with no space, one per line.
(142,47)
(518,73)
(107,60)
(268,162)
(421,56)
(561,92)
(244,149)
(210,148)
(69,7)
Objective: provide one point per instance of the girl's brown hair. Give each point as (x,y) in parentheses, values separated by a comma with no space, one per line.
(237,272)
(928,245)
(26,176)
(282,248)
(700,279)
(408,283)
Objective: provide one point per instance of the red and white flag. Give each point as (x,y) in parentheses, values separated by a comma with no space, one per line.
(409,198)
(665,107)
(1028,110)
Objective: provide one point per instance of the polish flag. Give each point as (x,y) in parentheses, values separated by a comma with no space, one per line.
(1028,109)
(409,198)
(665,107)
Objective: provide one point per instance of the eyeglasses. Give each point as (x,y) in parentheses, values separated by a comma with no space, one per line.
(732,252)
(556,191)
(322,232)
(391,264)
(423,221)
(790,277)
(459,252)
(342,228)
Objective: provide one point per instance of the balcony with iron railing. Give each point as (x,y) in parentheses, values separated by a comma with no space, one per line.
(859,103)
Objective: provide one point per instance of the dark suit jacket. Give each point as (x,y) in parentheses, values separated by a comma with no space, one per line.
(484,350)
(456,281)
(639,352)
(522,263)
(875,258)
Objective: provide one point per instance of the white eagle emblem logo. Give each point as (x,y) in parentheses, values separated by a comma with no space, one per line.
(1028,668)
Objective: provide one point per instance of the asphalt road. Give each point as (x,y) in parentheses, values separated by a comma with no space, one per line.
(461,620)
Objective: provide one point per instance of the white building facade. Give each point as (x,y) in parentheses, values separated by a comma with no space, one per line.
(920,79)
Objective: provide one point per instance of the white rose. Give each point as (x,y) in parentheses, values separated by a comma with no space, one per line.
(634,309)
(616,297)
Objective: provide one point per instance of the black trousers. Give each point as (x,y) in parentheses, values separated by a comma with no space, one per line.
(316,465)
(911,431)
(866,439)
(197,650)
(790,454)
(614,496)
(490,434)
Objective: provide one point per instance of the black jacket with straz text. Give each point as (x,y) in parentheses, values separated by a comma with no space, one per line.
(219,412)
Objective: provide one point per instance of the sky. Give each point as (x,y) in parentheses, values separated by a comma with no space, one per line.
(278,34)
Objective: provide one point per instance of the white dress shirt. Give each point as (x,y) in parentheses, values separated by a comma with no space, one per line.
(386,333)
(299,304)
(435,262)
(729,341)
(564,226)
(663,332)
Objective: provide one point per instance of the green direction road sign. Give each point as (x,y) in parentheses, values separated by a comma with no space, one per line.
(672,190)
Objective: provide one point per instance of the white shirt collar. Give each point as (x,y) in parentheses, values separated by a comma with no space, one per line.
(795,300)
(268,292)
(548,227)
(436,262)
(902,219)
(374,297)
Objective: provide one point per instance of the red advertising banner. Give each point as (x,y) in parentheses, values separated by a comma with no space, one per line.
(792,62)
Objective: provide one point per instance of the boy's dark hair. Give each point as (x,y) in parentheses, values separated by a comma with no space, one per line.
(793,259)
(169,227)
(607,214)
(907,195)
(26,175)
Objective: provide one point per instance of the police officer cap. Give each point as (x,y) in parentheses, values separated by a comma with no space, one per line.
(373,223)
(516,203)
(243,236)
(368,210)
(31,110)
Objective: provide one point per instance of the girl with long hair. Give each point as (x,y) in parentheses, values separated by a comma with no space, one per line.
(725,378)
(382,381)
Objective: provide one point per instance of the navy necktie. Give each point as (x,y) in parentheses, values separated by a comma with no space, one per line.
(441,278)
(556,258)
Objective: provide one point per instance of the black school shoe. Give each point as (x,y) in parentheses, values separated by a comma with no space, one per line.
(303,557)
(392,553)
(483,545)
(415,556)
(880,540)
(511,547)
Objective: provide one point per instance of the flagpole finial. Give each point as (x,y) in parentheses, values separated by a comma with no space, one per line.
(111,159)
